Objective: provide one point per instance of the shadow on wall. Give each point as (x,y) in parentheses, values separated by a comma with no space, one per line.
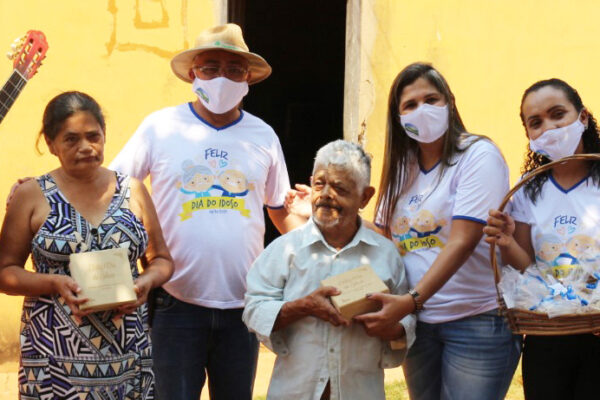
(10,317)
(9,348)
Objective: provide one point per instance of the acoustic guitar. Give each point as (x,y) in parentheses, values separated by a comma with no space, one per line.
(27,55)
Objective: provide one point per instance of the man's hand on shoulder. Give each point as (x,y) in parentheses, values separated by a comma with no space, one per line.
(14,187)
(297,201)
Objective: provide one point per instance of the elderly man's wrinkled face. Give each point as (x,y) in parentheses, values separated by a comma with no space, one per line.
(336,197)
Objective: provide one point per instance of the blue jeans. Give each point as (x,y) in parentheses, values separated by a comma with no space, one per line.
(470,358)
(191,341)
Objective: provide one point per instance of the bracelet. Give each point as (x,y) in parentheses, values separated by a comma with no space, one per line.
(415,296)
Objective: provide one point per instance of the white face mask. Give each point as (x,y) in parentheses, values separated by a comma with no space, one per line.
(560,142)
(427,123)
(219,95)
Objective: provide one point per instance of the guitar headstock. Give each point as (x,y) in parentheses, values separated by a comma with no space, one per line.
(28,53)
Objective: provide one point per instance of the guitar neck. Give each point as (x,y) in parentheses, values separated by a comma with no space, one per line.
(10,91)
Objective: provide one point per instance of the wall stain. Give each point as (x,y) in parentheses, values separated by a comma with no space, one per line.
(150,49)
(115,42)
(112,9)
(184,23)
(140,24)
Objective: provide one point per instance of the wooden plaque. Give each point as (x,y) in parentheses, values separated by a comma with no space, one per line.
(355,284)
(104,277)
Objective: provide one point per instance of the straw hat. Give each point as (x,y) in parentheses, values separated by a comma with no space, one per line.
(226,37)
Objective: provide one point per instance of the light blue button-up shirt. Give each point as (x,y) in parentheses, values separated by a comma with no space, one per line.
(310,351)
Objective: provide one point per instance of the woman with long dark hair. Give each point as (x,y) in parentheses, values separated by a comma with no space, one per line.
(437,186)
(553,223)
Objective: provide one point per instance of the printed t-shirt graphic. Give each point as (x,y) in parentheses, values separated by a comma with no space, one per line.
(564,225)
(418,230)
(215,184)
(421,226)
(209,187)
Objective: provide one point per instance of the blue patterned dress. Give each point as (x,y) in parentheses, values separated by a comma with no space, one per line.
(98,357)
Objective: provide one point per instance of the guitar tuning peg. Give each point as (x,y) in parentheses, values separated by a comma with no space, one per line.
(13,46)
(10,55)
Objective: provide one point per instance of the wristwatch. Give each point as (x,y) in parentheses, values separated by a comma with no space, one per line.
(415,296)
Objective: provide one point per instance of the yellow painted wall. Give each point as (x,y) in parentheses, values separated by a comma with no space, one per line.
(118,51)
(490,51)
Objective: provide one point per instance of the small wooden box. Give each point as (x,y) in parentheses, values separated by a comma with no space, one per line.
(104,277)
(355,284)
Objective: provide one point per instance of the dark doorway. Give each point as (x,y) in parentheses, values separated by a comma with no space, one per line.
(304,41)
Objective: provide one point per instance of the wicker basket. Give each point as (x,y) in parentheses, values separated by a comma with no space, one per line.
(536,323)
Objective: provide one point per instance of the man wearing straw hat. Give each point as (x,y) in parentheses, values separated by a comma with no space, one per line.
(212,167)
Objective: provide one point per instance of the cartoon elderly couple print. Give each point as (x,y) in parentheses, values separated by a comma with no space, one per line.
(561,255)
(557,252)
(198,180)
(413,233)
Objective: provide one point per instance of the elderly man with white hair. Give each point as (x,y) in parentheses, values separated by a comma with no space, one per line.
(320,354)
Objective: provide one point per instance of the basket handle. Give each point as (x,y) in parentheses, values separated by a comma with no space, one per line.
(527,178)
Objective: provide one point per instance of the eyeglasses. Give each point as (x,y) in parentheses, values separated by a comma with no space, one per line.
(233,72)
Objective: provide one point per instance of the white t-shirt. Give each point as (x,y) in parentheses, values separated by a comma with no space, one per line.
(209,186)
(421,223)
(565,224)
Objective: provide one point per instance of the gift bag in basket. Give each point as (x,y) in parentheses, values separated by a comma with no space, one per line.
(532,321)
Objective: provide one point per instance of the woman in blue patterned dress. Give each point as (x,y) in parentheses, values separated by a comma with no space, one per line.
(67,353)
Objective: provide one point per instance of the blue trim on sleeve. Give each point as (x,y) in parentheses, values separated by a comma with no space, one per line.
(274,207)
(566,191)
(211,125)
(377,224)
(469,219)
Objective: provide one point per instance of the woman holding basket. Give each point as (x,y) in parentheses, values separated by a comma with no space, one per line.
(437,187)
(554,223)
